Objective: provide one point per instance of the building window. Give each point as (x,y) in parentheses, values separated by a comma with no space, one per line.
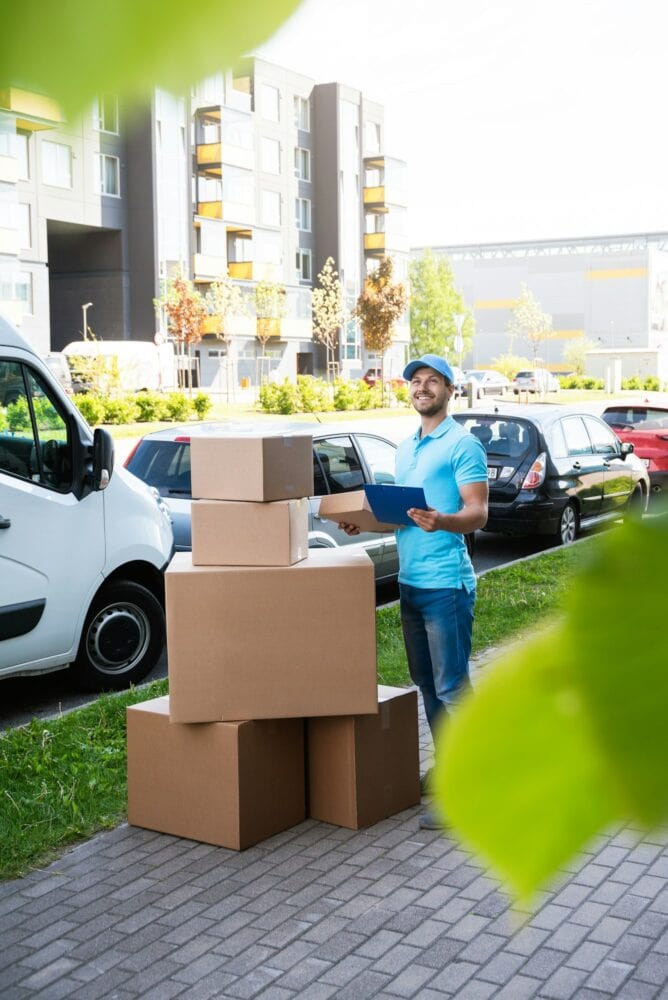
(105,114)
(23,291)
(351,343)
(302,114)
(22,157)
(56,164)
(271,208)
(25,239)
(110,175)
(270,102)
(303,214)
(371,138)
(303,265)
(271,155)
(303,164)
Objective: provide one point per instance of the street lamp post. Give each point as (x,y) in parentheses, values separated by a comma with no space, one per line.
(84,308)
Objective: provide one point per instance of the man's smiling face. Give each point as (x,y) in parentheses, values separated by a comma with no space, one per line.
(430,393)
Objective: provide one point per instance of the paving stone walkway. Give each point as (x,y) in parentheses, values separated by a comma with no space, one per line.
(319,911)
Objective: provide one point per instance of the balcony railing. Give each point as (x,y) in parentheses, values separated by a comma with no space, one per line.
(209,154)
(210,209)
(242,270)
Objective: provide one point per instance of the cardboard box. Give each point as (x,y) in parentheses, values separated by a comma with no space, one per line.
(363,768)
(252,467)
(235,533)
(245,642)
(227,783)
(352,508)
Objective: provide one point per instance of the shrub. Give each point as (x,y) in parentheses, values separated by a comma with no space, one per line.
(279,397)
(202,404)
(652,384)
(91,407)
(634,382)
(177,407)
(569,382)
(3,419)
(403,395)
(588,382)
(314,394)
(18,415)
(150,406)
(345,394)
(120,410)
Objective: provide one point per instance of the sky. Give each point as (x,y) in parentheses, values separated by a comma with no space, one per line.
(519,119)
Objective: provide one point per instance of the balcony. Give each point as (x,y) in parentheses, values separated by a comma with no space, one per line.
(241,270)
(207,267)
(375,243)
(33,111)
(374,199)
(210,209)
(210,324)
(209,158)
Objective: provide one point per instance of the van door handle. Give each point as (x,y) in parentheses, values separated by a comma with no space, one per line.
(576,465)
(5,522)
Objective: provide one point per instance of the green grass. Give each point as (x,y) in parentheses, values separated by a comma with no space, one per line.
(63,780)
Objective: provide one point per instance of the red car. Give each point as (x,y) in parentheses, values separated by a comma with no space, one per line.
(646,427)
(372,376)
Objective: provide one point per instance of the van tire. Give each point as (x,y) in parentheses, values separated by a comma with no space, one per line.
(122,637)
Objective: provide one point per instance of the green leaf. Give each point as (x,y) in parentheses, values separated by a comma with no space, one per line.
(567,734)
(74,50)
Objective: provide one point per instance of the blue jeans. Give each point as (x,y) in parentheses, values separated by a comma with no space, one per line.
(437,627)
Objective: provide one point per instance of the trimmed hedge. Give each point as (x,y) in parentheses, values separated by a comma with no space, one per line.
(142,407)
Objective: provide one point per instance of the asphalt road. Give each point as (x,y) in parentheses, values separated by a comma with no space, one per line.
(26,698)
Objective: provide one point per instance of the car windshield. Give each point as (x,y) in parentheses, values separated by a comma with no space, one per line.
(500,435)
(637,418)
(164,465)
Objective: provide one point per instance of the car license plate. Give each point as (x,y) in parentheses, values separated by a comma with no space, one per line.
(492,472)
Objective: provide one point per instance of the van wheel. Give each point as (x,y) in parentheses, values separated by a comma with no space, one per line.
(569,525)
(122,637)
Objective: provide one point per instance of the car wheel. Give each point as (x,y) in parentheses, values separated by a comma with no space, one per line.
(635,506)
(122,637)
(569,525)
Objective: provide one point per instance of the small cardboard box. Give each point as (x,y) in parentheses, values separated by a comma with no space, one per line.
(361,769)
(227,783)
(352,508)
(235,533)
(253,467)
(247,642)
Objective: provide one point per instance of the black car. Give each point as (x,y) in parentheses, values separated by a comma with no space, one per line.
(553,469)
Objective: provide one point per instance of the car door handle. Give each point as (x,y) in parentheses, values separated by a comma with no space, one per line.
(606,463)
(5,522)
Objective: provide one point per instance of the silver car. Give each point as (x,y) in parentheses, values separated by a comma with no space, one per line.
(343,461)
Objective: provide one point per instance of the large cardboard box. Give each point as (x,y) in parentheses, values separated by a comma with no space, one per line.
(252,467)
(236,533)
(352,508)
(363,768)
(227,783)
(245,642)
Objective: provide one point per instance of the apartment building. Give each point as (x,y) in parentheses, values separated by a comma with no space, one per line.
(611,290)
(260,173)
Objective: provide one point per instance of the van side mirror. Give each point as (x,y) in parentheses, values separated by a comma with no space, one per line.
(627,448)
(103,458)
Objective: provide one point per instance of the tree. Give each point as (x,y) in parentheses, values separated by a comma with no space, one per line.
(510,364)
(185,311)
(270,307)
(529,321)
(434,302)
(225,301)
(575,354)
(327,310)
(379,307)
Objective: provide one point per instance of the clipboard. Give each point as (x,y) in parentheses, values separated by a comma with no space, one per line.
(390,503)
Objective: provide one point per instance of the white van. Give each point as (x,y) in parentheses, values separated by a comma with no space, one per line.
(82,550)
(126,365)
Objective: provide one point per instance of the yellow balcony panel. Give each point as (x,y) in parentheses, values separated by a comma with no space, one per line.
(374,241)
(242,270)
(611,273)
(209,153)
(33,111)
(374,195)
(207,266)
(210,324)
(495,304)
(268,326)
(210,209)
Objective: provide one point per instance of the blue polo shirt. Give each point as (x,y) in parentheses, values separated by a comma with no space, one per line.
(440,462)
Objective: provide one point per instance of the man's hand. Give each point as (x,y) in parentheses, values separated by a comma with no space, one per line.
(428,520)
(350,529)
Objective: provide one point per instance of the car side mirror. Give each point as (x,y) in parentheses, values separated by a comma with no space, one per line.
(103,458)
(626,448)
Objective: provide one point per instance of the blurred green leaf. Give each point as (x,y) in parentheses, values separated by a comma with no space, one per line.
(568,733)
(75,49)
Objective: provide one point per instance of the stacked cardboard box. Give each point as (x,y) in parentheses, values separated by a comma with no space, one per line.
(263,633)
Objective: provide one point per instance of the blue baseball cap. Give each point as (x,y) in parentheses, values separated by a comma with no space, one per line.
(434,361)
